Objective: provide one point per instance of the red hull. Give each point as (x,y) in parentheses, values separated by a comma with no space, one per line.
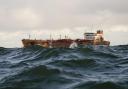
(61,43)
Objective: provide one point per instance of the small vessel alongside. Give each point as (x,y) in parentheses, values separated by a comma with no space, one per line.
(90,39)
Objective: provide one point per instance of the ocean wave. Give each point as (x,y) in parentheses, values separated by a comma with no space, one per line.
(59,68)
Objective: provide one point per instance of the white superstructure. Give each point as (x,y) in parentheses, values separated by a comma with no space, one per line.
(99,36)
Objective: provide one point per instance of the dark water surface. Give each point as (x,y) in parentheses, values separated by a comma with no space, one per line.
(82,68)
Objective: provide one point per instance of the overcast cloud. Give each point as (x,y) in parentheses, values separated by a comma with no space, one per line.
(40,18)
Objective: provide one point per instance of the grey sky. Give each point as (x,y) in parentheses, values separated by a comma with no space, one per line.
(18,18)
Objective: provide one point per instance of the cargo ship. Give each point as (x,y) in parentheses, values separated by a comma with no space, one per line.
(89,39)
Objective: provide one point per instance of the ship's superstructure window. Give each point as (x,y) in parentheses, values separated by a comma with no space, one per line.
(89,36)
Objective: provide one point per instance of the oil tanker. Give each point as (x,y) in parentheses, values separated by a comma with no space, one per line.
(90,39)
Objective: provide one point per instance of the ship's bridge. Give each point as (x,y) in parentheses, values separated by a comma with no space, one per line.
(89,36)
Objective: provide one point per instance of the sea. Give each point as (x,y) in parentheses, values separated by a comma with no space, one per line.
(63,68)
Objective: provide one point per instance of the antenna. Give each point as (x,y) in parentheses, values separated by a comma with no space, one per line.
(29,36)
(65,36)
(50,37)
(60,36)
(102,27)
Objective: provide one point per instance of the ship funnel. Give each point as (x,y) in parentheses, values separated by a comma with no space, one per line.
(99,31)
